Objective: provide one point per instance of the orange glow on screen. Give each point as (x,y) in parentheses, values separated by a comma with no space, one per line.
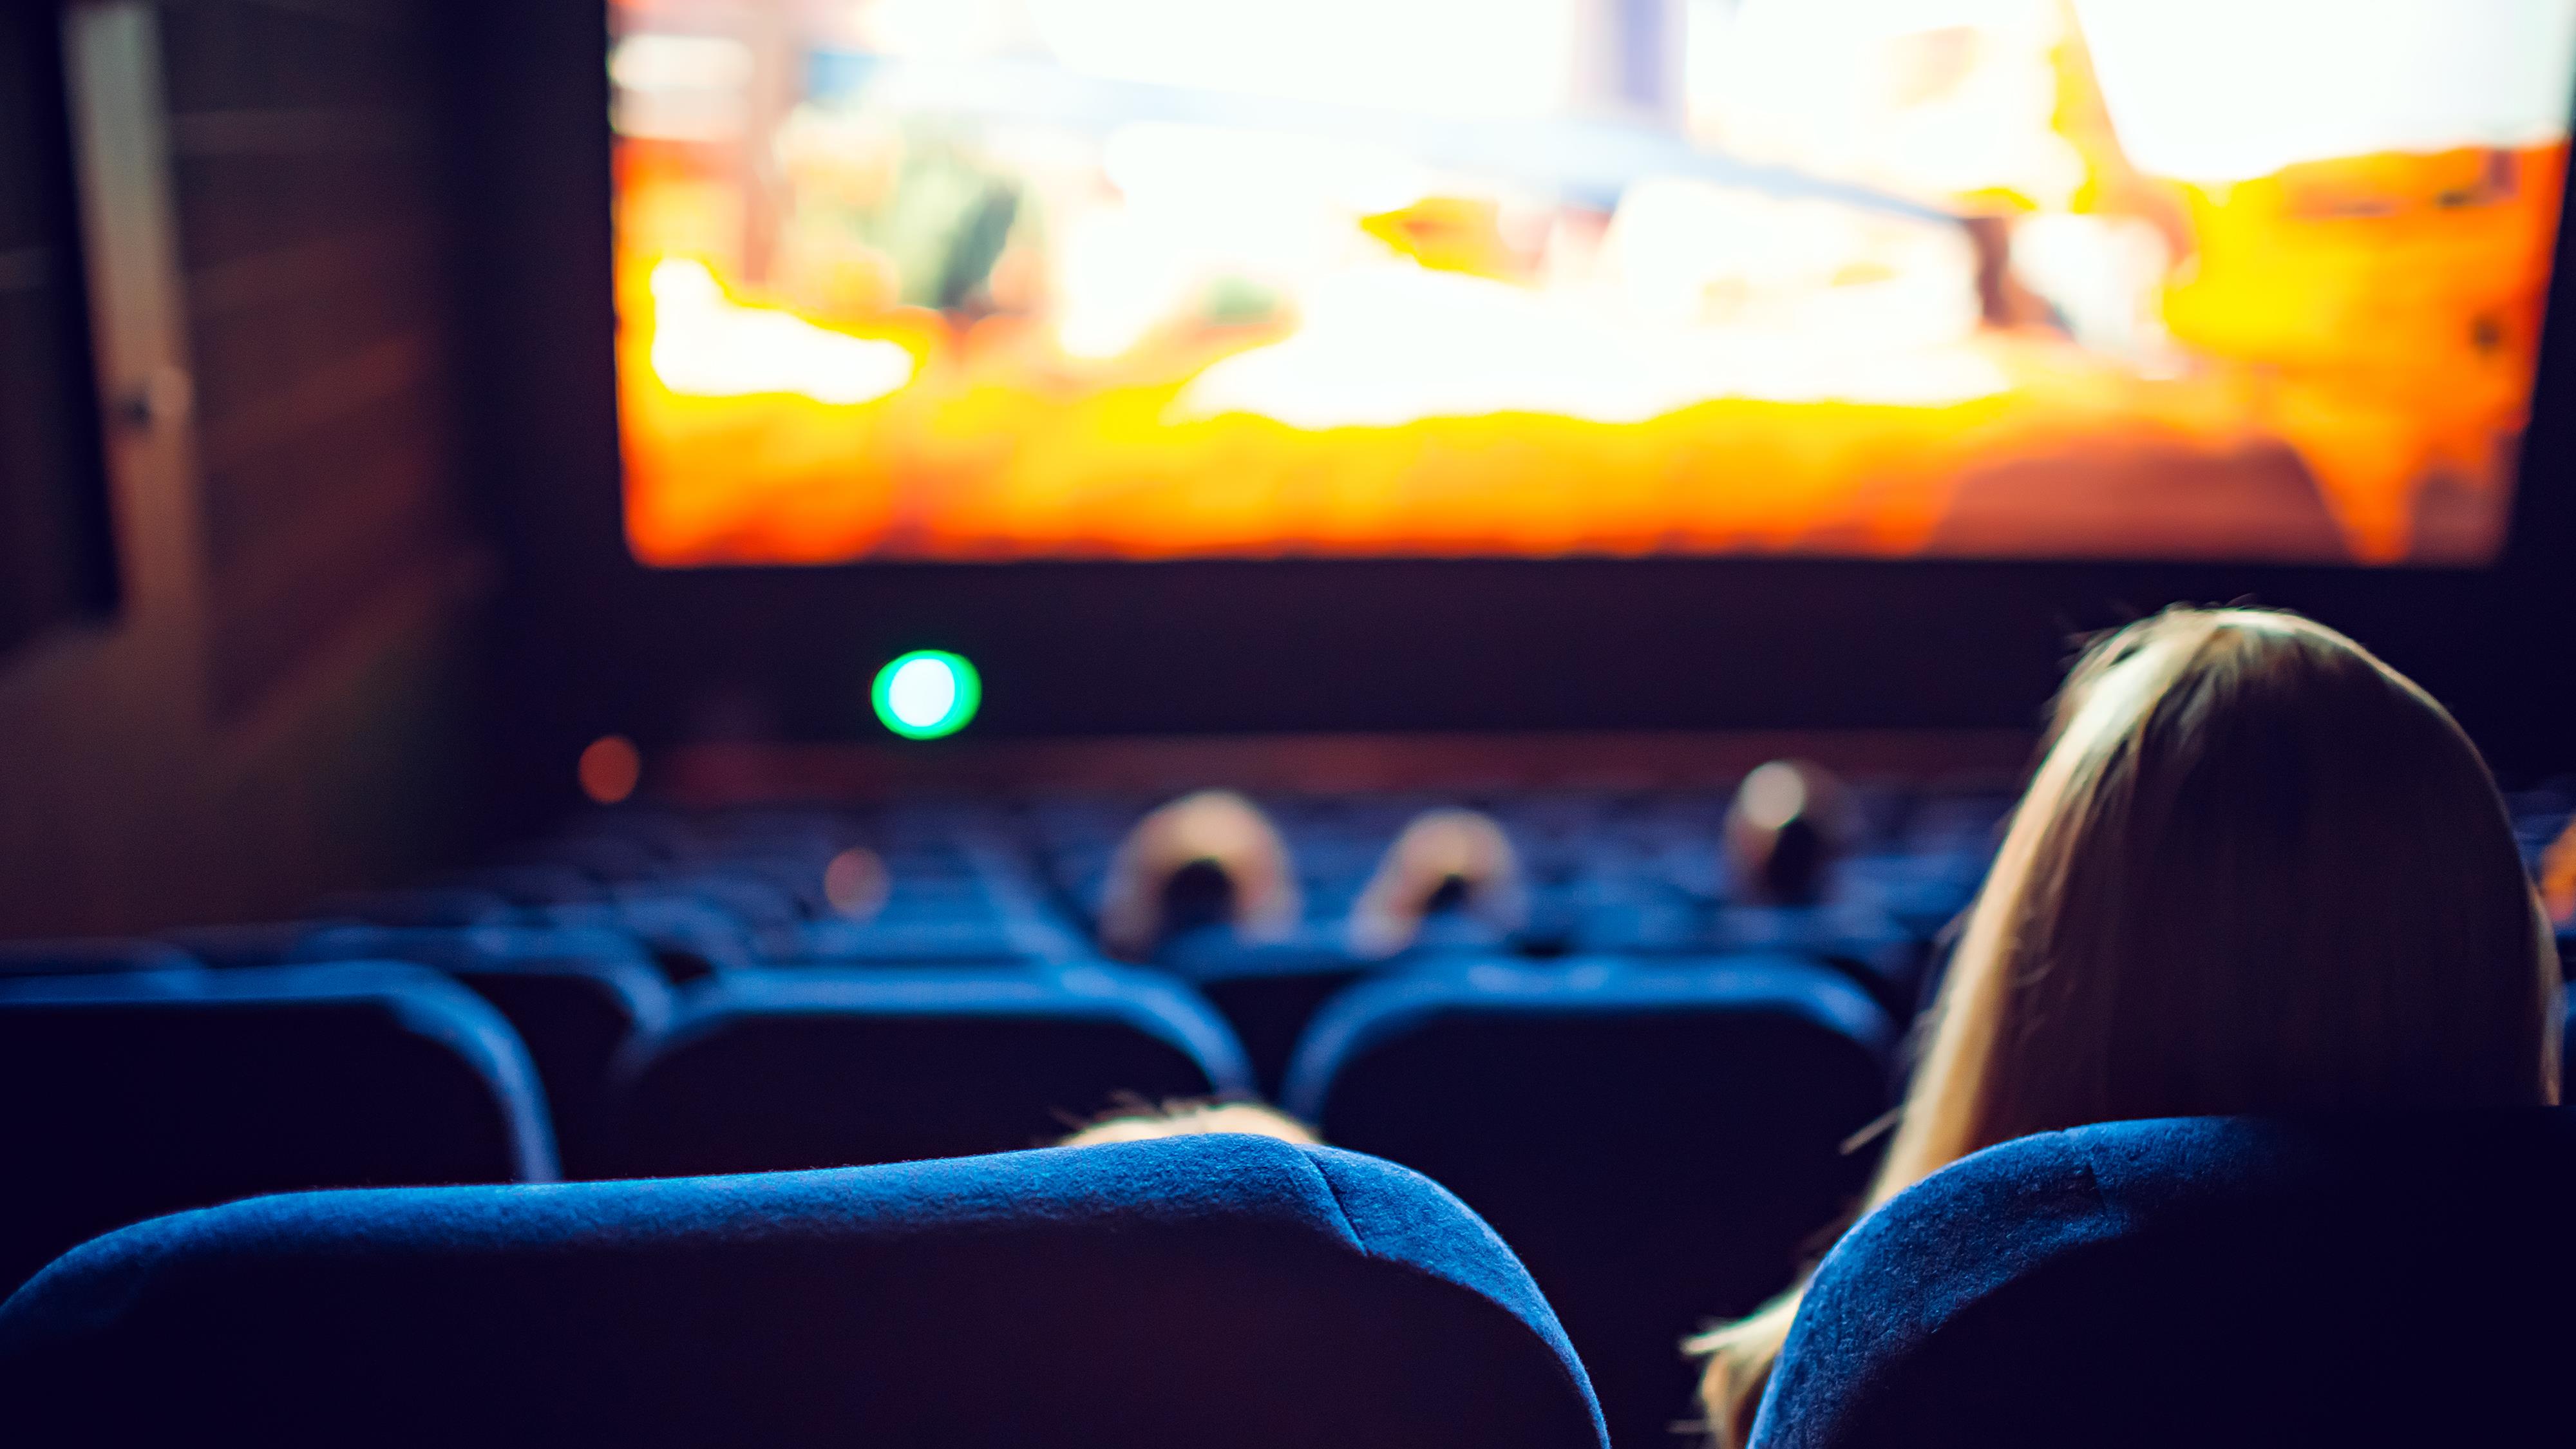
(980,281)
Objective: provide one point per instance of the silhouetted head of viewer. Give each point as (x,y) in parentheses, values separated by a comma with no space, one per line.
(1145,1121)
(1787,823)
(1443,860)
(2256,871)
(1207,859)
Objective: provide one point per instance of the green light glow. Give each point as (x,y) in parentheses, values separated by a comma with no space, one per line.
(927,693)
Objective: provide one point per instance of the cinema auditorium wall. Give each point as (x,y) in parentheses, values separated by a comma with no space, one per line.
(274,694)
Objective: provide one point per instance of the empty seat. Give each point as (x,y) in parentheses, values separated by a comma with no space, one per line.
(2205,1281)
(1658,1143)
(576,997)
(827,1068)
(1155,1295)
(1267,991)
(128,1094)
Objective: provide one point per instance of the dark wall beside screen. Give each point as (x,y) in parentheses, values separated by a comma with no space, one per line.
(305,165)
(55,565)
(284,701)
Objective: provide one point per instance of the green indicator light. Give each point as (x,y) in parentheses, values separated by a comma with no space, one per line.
(926,694)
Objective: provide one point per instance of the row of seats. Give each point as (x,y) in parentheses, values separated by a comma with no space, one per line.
(2216,1282)
(692,993)
(1689,1094)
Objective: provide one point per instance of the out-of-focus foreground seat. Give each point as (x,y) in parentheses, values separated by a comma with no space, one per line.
(1659,1144)
(2361,1282)
(1157,1295)
(814,1067)
(134,1093)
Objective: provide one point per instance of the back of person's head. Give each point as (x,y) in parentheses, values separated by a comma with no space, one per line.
(2257,871)
(1786,824)
(1145,1121)
(1204,858)
(1440,853)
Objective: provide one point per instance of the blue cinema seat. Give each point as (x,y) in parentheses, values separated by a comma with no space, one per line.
(129,1094)
(1658,1143)
(831,1068)
(576,997)
(1268,991)
(1222,1290)
(2363,1282)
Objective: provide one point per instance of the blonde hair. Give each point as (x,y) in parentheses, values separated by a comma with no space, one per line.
(2256,871)
(1141,1122)
(1436,848)
(1212,827)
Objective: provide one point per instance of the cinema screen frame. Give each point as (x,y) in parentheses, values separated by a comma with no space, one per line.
(1092,646)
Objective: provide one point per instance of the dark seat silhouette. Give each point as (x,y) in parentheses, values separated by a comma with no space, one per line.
(575,996)
(136,1093)
(1658,1143)
(827,1068)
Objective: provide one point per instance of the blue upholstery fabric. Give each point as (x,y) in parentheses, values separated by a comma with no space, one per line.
(1219,1290)
(79,956)
(1658,1143)
(143,1092)
(576,997)
(2386,1280)
(823,1068)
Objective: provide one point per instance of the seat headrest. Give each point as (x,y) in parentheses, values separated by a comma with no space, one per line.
(1370,1017)
(2364,1280)
(818,1067)
(129,1094)
(1180,1292)
(242,1008)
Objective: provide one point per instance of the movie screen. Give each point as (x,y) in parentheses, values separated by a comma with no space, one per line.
(985,280)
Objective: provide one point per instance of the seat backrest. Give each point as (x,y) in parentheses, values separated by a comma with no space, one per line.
(1659,1144)
(1171,1294)
(778,1069)
(2366,1281)
(575,996)
(130,1094)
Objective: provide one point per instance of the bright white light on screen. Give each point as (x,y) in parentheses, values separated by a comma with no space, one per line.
(1442,57)
(707,345)
(2224,90)
(922,692)
(1387,345)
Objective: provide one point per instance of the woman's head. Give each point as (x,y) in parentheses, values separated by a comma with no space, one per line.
(2256,871)
(1438,851)
(1215,833)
